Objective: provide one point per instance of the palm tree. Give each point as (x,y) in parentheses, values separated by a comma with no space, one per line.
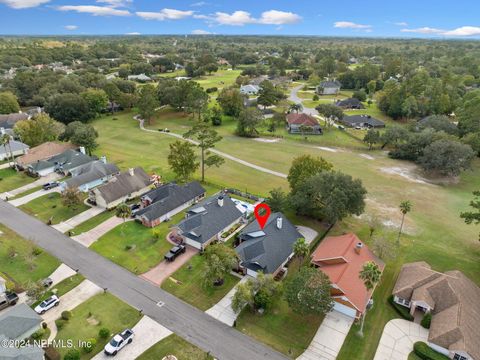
(301,249)
(370,274)
(6,142)
(405,208)
(123,211)
(296,107)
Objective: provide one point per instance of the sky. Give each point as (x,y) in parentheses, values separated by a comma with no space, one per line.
(367,18)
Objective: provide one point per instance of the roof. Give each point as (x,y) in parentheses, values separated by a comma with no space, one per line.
(67,160)
(124,184)
(14,146)
(267,249)
(301,119)
(202,225)
(168,197)
(350,102)
(43,152)
(347,265)
(8,121)
(362,119)
(23,353)
(250,88)
(92,171)
(454,298)
(330,84)
(17,321)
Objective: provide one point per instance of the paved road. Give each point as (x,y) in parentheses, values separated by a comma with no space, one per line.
(294,97)
(193,325)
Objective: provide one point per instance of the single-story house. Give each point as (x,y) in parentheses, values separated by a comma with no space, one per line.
(42,152)
(267,250)
(329,87)
(121,188)
(364,121)
(341,258)
(303,123)
(14,148)
(141,78)
(19,323)
(160,204)
(454,302)
(249,89)
(63,163)
(91,175)
(350,103)
(207,220)
(8,121)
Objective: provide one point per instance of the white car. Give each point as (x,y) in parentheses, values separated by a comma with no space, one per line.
(47,304)
(118,342)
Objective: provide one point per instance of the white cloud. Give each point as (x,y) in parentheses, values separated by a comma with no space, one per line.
(200,32)
(350,25)
(401,23)
(275,17)
(133,33)
(240,18)
(71,27)
(199,3)
(165,14)
(95,10)
(237,18)
(463,31)
(424,30)
(116,3)
(23,4)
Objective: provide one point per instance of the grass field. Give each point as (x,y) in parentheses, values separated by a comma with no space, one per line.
(11,179)
(174,345)
(50,207)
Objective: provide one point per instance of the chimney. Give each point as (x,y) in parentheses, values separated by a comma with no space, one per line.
(82,149)
(358,247)
(220,201)
(103,159)
(131,171)
(279,223)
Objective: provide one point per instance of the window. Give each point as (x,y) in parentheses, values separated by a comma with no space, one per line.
(459,357)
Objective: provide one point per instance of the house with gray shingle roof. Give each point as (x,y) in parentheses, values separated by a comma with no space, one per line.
(267,250)
(91,175)
(329,87)
(65,163)
(8,121)
(14,148)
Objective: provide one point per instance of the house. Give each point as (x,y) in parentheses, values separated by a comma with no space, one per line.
(17,324)
(162,203)
(362,121)
(13,148)
(329,87)
(249,89)
(453,301)
(303,123)
(267,250)
(63,163)
(206,221)
(141,78)
(42,152)
(350,103)
(91,175)
(122,187)
(342,258)
(8,121)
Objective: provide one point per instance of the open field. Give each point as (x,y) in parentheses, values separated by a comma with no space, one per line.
(11,179)
(222,78)
(174,345)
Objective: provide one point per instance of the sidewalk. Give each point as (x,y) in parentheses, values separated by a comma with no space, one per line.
(69,224)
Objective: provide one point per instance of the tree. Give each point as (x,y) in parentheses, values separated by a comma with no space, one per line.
(405,208)
(361,95)
(473,217)
(393,135)
(371,138)
(473,139)
(248,120)
(268,95)
(256,293)
(196,101)
(81,134)
(295,107)
(301,249)
(277,200)
(97,101)
(370,274)
(207,138)
(219,261)
(309,292)
(182,159)
(8,103)
(468,114)
(329,196)
(304,167)
(123,211)
(68,107)
(214,116)
(147,102)
(231,101)
(39,129)
(438,123)
(71,197)
(330,112)
(5,140)
(446,157)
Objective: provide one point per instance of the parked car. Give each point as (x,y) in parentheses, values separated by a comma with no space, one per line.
(134,208)
(47,282)
(341,127)
(47,304)
(174,252)
(50,185)
(8,299)
(118,342)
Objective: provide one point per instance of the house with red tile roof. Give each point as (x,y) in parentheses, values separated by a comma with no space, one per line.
(342,258)
(303,124)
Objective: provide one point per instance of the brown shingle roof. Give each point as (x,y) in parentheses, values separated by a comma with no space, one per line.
(124,184)
(301,119)
(43,152)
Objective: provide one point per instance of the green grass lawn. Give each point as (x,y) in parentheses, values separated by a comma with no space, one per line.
(25,193)
(61,288)
(11,179)
(100,311)
(190,285)
(93,222)
(50,207)
(222,78)
(23,266)
(174,345)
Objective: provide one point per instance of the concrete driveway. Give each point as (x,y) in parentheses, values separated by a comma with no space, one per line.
(69,224)
(89,237)
(308,233)
(147,333)
(61,273)
(43,180)
(27,198)
(398,338)
(222,310)
(329,338)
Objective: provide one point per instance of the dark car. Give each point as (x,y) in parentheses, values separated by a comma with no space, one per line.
(50,185)
(174,252)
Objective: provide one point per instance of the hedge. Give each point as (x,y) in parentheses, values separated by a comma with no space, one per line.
(427,319)
(425,352)
(401,310)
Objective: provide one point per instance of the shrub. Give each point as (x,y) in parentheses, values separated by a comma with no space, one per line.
(51,353)
(36,251)
(401,310)
(66,315)
(315,97)
(211,90)
(38,334)
(427,319)
(425,352)
(44,325)
(89,345)
(72,354)
(60,323)
(104,333)
(128,247)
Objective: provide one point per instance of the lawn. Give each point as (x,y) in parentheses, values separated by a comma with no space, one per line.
(92,222)
(50,206)
(100,311)
(25,193)
(222,78)
(189,286)
(18,263)
(62,287)
(174,345)
(11,179)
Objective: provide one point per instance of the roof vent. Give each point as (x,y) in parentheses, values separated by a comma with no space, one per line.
(220,201)
(279,223)
(131,171)
(358,247)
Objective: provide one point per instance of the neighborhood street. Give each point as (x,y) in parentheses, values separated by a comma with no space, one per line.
(193,325)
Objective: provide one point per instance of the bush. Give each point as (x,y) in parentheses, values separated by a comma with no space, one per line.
(51,353)
(89,345)
(38,334)
(72,354)
(44,325)
(104,333)
(36,251)
(401,310)
(427,319)
(425,352)
(60,323)
(211,90)
(66,315)
(315,97)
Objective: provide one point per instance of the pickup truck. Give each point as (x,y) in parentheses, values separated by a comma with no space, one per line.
(8,299)
(118,342)
(174,252)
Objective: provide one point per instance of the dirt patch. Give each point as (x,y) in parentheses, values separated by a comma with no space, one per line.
(329,149)
(406,173)
(366,156)
(266,140)
(390,217)
(93,321)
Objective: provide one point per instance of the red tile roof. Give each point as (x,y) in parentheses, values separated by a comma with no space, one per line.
(345,274)
(301,119)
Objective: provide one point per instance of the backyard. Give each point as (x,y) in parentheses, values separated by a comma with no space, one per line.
(174,345)
(11,179)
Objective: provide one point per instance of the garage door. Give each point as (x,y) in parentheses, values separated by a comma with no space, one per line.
(345,310)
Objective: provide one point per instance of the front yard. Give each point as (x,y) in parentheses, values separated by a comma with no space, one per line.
(61,288)
(174,345)
(11,179)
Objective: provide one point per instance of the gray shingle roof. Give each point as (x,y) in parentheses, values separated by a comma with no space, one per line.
(67,160)
(202,225)
(168,197)
(267,252)
(350,102)
(8,121)
(330,84)
(90,172)
(23,353)
(124,184)
(15,146)
(17,321)
(355,120)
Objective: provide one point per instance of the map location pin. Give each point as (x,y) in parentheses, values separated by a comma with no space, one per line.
(262,218)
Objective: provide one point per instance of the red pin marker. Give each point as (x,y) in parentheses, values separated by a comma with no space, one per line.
(262,219)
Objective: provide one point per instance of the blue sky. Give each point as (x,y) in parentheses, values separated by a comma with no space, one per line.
(407,18)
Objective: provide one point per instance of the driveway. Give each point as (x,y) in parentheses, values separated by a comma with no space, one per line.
(294,97)
(163,270)
(222,311)
(89,237)
(398,338)
(69,224)
(43,180)
(27,198)
(147,333)
(328,340)
(308,233)
(61,273)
